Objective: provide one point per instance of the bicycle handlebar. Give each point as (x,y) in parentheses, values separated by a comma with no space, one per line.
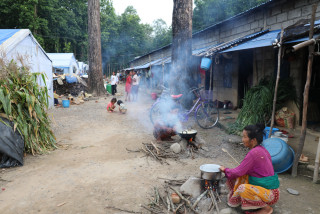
(196,89)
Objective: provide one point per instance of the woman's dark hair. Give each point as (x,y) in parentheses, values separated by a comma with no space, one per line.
(114,100)
(255,131)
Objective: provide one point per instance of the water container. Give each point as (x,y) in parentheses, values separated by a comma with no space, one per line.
(282,155)
(205,63)
(109,88)
(65,103)
(267,130)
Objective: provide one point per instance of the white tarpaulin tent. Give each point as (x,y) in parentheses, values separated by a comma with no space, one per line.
(64,63)
(20,42)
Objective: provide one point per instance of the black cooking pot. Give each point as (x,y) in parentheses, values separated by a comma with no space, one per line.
(188,134)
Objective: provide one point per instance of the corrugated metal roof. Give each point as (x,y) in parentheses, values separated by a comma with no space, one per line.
(6,34)
(147,64)
(262,41)
(235,42)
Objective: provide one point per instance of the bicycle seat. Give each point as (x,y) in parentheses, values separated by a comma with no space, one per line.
(176,97)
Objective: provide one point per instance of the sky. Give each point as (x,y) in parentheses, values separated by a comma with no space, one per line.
(148,10)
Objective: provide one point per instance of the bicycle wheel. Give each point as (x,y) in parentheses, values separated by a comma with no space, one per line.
(155,112)
(207,115)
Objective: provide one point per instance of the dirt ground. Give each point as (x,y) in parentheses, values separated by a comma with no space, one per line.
(92,169)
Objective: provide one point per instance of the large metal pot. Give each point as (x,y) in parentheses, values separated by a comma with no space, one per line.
(188,134)
(210,172)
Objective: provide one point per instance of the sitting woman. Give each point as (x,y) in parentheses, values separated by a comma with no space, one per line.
(253,184)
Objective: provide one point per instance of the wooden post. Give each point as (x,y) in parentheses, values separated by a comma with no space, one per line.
(305,96)
(151,79)
(277,83)
(316,165)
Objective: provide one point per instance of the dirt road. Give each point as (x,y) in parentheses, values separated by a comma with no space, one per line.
(92,168)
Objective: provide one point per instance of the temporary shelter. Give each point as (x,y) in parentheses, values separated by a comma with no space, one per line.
(83,68)
(64,63)
(16,43)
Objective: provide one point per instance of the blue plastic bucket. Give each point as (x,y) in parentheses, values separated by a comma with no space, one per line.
(205,63)
(65,103)
(267,131)
(282,155)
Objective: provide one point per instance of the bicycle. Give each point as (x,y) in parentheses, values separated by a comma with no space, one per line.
(206,114)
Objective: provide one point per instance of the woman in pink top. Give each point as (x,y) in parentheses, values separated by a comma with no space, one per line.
(253,184)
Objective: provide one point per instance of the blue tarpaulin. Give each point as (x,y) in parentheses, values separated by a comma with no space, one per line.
(6,34)
(71,79)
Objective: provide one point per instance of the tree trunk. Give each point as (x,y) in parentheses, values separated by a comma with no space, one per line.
(94,33)
(181,72)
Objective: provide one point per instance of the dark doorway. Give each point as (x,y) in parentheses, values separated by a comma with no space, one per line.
(245,74)
(313,117)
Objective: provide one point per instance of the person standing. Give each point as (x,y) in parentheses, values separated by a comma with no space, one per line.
(135,86)
(114,81)
(118,76)
(128,86)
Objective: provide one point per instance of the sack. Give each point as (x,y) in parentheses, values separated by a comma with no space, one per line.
(285,118)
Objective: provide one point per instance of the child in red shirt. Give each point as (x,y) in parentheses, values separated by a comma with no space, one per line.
(111,106)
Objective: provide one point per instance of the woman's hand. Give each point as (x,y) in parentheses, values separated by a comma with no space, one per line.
(222,168)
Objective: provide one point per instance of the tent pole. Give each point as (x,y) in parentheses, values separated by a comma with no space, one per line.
(305,95)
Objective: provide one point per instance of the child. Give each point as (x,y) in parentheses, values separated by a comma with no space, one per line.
(56,96)
(122,107)
(111,106)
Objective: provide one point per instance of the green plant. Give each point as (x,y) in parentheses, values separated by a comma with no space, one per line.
(258,102)
(24,102)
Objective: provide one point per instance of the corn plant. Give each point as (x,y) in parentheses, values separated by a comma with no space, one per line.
(258,103)
(24,102)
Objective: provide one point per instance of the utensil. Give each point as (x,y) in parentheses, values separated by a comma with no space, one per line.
(223,149)
(210,171)
(282,155)
(188,134)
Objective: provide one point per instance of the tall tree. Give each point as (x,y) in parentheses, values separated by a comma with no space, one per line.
(95,65)
(181,46)
(162,34)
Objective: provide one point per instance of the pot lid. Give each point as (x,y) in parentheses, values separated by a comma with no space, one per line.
(191,131)
(210,168)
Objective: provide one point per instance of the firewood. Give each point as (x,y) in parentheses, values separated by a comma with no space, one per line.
(186,200)
(198,199)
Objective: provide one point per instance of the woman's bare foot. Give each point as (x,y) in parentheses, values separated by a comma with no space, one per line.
(265,210)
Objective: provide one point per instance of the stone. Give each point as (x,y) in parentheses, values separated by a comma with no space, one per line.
(226,211)
(292,191)
(191,187)
(176,148)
